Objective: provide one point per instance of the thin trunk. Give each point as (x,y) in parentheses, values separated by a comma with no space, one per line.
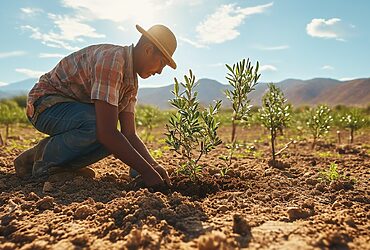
(233,131)
(273,144)
(351,136)
(313,143)
(339,137)
(1,141)
(7,132)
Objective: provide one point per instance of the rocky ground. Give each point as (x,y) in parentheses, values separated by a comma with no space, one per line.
(255,206)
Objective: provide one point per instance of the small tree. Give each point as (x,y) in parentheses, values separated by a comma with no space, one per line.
(242,77)
(191,132)
(275,113)
(319,122)
(354,120)
(10,113)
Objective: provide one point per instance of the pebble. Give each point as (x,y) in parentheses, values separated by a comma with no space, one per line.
(320,187)
(83,211)
(295,213)
(335,205)
(223,208)
(311,181)
(240,225)
(349,221)
(45,203)
(48,187)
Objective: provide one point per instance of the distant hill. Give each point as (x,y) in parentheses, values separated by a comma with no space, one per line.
(347,93)
(298,92)
(17,88)
(208,90)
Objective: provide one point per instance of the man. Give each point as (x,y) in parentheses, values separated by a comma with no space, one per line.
(81,100)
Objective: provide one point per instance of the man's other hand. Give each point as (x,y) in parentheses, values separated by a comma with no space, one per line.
(162,171)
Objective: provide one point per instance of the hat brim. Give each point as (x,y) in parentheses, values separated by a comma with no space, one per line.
(171,62)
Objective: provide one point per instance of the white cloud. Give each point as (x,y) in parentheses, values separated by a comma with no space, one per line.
(12,53)
(348,78)
(332,28)
(31,11)
(327,67)
(50,55)
(122,28)
(49,39)
(280,47)
(144,12)
(3,84)
(267,68)
(71,29)
(194,43)
(30,73)
(222,25)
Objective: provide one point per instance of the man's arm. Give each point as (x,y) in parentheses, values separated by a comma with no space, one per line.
(118,144)
(128,129)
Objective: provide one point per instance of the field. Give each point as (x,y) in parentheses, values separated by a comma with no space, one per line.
(255,205)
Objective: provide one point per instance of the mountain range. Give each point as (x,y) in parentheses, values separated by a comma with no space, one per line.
(354,92)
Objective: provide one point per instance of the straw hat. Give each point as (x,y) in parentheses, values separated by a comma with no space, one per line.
(164,39)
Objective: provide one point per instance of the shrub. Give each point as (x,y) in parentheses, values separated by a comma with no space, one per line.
(353,120)
(243,78)
(191,132)
(331,174)
(10,113)
(275,113)
(319,122)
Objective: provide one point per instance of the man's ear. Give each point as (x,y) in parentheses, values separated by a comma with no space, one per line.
(149,49)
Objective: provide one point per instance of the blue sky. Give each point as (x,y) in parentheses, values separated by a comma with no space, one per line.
(290,38)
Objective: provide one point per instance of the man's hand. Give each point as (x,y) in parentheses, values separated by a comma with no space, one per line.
(163,174)
(153,179)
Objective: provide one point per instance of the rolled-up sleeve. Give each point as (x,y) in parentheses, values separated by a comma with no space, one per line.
(107,75)
(132,99)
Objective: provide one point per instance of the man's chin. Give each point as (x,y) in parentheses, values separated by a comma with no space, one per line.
(144,76)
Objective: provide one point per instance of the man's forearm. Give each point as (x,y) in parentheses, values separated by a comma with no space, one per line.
(140,147)
(122,148)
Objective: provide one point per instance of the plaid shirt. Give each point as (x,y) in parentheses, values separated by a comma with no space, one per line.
(98,72)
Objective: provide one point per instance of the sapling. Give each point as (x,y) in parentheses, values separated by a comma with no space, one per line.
(275,113)
(243,78)
(10,113)
(227,159)
(191,132)
(354,120)
(331,174)
(319,122)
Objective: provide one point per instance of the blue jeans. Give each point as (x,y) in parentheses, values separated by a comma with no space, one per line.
(73,143)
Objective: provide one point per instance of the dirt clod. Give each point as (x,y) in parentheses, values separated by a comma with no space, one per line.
(240,225)
(83,211)
(295,213)
(48,187)
(45,203)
